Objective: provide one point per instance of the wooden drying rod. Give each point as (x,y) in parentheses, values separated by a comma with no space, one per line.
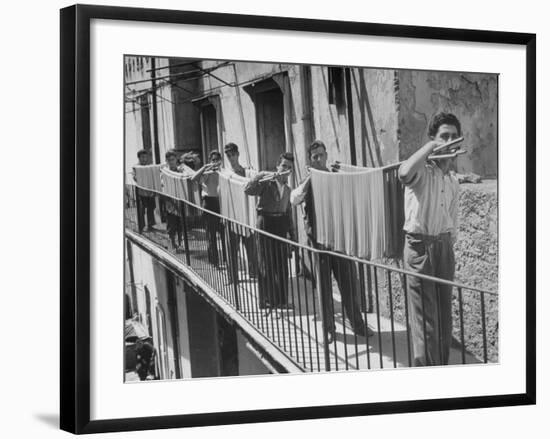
(212,170)
(446,156)
(448,144)
(274,175)
(456,152)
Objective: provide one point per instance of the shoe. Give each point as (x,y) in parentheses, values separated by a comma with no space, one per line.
(285,306)
(361,332)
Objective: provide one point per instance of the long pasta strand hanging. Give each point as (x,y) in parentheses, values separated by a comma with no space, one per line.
(350,211)
(234,203)
(148,177)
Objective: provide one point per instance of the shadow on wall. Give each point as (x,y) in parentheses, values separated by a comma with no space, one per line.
(331,115)
(472,97)
(365,104)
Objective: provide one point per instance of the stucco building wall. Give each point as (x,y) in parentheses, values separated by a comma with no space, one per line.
(472,97)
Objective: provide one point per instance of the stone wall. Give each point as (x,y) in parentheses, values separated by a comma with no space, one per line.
(476,249)
(472,97)
(476,253)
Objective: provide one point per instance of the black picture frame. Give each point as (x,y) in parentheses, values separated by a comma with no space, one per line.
(75,216)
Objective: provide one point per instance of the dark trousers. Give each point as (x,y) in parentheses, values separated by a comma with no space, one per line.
(234,236)
(174,228)
(273,261)
(213,226)
(146,209)
(346,275)
(430,304)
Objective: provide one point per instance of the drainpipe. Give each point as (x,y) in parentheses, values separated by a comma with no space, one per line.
(351,125)
(155,115)
(132,277)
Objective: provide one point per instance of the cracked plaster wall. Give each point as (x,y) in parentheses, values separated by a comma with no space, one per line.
(472,97)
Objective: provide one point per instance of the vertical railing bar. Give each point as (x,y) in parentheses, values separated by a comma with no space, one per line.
(200,241)
(314,289)
(365,266)
(300,251)
(183,223)
(424,319)
(390,293)
(299,256)
(405,289)
(245,289)
(362,301)
(251,283)
(339,270)
(274,267)
(258,285)
(290,252)
(461,314)
(245,297)
(439,322)
(483,326)
(333,316)
(225,274)
(216,251)
(355,291)
(280,264)
(378,317)
(274,323)
(370,305)
(254,283)
(237,271)
(220,237)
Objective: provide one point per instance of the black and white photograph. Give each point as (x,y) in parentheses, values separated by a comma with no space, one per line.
(295,218)
(275,219)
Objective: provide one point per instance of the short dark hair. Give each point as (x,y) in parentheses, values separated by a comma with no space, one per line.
(213,153)
(170,153)
(314,145)
(286,156)
(442,118)
(231,147)
(142,152)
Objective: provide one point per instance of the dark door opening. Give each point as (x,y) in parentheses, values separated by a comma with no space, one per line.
(270,114)
(209,130)
(145,123)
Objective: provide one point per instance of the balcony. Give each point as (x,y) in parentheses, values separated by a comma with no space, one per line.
(222,262)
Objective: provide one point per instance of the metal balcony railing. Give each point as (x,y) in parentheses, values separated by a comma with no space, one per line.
(270,282)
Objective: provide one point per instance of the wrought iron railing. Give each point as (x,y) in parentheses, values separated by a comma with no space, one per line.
(248,268)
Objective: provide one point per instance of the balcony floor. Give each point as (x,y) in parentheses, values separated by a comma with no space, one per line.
(289,329)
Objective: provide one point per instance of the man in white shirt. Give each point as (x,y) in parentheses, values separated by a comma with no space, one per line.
(232,155)
(431,225)
(208,179)
(345,271)
(145,199)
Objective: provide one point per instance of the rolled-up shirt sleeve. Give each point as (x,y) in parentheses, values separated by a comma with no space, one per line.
(298,194)
(416,178)
(254,186)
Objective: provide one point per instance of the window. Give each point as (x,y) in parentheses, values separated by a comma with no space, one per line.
(336,87)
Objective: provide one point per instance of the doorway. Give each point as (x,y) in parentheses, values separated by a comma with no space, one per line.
(270,119)
(209,129)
